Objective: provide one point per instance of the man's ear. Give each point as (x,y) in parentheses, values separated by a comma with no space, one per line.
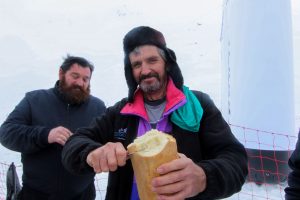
(61,73)
(168,67)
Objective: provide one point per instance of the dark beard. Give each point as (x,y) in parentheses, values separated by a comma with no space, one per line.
(149,88)
(73,94)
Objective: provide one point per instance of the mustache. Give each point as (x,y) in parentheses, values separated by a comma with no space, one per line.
(77,87)
(142,77)
(74,94)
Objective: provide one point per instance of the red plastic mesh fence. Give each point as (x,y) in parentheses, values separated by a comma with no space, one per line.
(268,153)
(3,170)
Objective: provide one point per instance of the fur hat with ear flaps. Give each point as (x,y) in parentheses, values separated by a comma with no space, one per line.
(144,35)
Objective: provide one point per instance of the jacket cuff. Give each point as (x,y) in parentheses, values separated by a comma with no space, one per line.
(44,136)
(211,182)
(85,153)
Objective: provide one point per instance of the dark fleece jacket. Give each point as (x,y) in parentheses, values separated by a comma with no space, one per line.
(26,130)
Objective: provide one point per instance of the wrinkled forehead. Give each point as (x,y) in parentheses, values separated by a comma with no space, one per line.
(79,69)
(149,49)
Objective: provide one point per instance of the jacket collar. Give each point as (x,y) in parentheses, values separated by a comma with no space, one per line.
(137,107)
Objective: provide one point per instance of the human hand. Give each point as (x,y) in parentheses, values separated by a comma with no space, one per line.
(179,179)
(107,158)
(59,135)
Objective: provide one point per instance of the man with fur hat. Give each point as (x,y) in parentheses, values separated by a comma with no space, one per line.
(212,163)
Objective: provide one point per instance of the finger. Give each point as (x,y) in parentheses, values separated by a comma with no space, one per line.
(121,155)
(89,161)
(103,163)
(96,166)
(175,196)
(64,131)
(112,160)
(174,165)
(169,189)
(60,141)
(170,178)
(93,160)
(64,137)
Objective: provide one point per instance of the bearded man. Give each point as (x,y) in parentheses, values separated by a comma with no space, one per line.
(212,163)
(40,125)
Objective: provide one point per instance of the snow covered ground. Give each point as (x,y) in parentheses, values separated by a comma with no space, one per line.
(35,35)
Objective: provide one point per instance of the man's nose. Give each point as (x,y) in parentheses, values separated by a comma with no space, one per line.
(145,69)
(79,82)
